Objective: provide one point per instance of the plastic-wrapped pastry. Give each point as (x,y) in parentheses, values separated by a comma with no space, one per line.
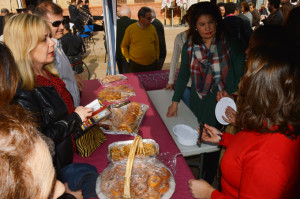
(133,111)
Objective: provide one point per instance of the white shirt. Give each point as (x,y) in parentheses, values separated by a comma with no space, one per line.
(66,72)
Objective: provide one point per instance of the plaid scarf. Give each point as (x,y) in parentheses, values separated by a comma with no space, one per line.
(209,67)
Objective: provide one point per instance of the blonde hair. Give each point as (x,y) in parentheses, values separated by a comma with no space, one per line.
(22,33)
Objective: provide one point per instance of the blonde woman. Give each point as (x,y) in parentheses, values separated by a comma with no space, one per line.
(41,90)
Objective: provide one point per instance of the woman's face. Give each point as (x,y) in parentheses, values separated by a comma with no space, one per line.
(43,53)
(222,10)
(43,172)
(207,27)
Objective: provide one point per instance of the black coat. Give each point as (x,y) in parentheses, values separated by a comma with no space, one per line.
(55,122)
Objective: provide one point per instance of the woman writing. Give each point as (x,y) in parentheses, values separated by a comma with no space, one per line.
(41,90)
(262,160)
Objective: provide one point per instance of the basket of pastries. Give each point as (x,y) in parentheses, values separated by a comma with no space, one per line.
(139,176)
(124,120)
(116,93)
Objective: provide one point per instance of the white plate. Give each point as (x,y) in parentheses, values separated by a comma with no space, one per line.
(221,107)
(185,134)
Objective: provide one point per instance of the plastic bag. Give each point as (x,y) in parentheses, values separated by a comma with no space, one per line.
(116,94)
(112,80)
(169,159)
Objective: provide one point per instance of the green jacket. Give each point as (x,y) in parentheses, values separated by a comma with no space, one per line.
(204,109)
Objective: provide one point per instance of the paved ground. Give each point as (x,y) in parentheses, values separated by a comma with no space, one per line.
(95,56)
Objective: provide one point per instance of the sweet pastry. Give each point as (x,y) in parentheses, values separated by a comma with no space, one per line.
(116,93)
(130,116)
(146,180)
(110,78)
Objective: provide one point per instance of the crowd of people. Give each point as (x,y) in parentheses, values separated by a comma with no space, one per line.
(229,50)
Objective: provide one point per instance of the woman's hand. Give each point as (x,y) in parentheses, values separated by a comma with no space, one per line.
(231,115)
(200,189)
(211,134)
(84,112)
(172,110)
(169,86)
(221,94)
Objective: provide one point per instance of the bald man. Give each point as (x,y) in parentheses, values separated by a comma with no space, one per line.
(122,23)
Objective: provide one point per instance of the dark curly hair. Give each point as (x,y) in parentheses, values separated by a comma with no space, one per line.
(269,94)
(204,8)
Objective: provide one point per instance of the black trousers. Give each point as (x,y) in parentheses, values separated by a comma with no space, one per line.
(135,67)
(123,66)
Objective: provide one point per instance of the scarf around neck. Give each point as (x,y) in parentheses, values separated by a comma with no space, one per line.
(209,67)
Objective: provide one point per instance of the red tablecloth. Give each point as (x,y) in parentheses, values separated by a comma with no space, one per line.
(152,127)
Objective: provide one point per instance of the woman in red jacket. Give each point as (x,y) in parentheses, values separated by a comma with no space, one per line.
(262,160)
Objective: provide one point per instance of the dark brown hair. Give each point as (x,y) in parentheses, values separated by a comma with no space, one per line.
(48,7)
(9,76)
(246,6)
(18,136)
(269,94)
(204,8)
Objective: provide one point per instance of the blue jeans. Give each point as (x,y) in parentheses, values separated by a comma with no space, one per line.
(186,98)
(80,176)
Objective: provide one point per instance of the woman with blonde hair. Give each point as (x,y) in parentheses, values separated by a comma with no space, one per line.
(41,90)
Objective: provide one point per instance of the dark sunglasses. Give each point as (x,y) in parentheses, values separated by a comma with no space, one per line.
(149,18)
(57,23)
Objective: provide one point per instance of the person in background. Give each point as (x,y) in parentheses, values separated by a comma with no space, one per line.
(214,61)
(275,17)
(161,37)
(264,154)
(285,8)
(73,46)
(246,11)
(178,44)
(4,11)
(74,16)
(247,25)
(236,25)
(255,15)
(52,13)
(40,89)
(26,169)
(122,23)
(221,7)
(263,10)
(292,25)
(140,45)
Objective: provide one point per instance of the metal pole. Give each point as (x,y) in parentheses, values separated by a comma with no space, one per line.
(172,17)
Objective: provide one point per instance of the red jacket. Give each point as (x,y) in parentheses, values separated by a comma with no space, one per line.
(260,166)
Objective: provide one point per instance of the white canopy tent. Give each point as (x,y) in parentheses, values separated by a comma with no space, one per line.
(110,26)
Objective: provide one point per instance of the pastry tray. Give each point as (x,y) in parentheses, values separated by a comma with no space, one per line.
(155,162)
(138,122)
(121,144)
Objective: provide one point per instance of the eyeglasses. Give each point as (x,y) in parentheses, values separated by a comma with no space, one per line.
(57,23)
(149,18)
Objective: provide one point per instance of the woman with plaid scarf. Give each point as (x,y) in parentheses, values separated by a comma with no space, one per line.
(213,60)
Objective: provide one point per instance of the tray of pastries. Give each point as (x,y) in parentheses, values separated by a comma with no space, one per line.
(120,150)
(150,178)
(116,93)
(124,120)
(105,81)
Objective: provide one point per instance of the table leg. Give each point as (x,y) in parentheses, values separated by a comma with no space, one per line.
(200,176)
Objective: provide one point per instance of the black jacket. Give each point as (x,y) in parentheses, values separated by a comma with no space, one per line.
(55,122)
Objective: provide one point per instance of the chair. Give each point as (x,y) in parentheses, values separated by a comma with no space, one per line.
(89,29)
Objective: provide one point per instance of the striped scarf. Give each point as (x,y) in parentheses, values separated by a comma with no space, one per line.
(209,67)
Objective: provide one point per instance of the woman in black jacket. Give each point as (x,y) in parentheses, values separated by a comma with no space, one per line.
(41,90)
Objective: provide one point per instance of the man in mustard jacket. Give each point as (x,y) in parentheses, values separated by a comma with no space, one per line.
(140,45)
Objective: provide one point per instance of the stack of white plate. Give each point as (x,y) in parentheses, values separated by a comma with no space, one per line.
(185,134)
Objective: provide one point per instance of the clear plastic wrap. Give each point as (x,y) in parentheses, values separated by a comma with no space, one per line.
(124,120)
(116,94)
(120,150)
(112,80)
(150,179)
